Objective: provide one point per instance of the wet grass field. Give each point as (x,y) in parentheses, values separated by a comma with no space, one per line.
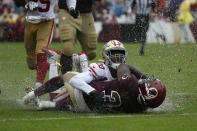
(174,64)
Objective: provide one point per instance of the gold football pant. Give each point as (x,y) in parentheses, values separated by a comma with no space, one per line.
(36,37)
(81,29)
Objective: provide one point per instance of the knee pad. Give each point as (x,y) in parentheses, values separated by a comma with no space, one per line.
(89,46)
(31,62)
(68,47)
(92,41)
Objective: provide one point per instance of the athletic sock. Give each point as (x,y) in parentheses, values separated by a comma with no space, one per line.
(66,63)
(42,67)
(53,70)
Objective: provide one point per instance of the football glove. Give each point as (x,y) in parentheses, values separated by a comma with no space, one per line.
(97,100)
(74,13)
(31,5)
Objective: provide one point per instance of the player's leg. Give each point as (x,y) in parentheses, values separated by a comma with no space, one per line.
(52,57)
(30,45)
(49,86)
(76,95)
(67,26)
(44,38)
(63,101)
(87,37)
(145,26)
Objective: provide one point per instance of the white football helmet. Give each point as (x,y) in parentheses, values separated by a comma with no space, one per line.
(114,53)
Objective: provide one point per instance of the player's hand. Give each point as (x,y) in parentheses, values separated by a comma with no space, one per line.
(74,13)
(31,5)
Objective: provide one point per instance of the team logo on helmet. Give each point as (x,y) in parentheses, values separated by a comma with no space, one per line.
(152,92)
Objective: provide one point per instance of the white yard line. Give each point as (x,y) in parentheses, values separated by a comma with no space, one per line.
(86,117)
(65,118)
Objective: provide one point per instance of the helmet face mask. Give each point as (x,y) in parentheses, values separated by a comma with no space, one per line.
(114,53)
(153,92)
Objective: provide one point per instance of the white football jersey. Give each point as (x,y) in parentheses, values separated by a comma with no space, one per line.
(100,71)
(45,11)
(96,71)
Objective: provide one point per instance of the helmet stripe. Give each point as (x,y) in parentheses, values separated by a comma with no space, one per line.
(114,42)
(118,43)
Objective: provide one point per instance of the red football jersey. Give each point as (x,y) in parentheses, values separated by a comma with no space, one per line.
(119,95)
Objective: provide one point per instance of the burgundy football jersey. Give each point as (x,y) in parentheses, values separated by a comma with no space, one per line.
(119,95)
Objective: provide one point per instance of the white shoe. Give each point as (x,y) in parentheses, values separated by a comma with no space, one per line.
(76,63)
(80,62)
(38,84)
(83,62)
(30,97)
(45,105)
(52,55)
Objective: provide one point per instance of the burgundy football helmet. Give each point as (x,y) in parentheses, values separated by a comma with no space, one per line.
(153,92)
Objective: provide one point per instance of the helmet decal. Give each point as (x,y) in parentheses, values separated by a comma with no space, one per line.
(152,93)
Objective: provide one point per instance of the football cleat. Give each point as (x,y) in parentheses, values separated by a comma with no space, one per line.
(52,55)
(80,62)
(30,97)
(83,62)
(75,58)
(38,84)
(41,105)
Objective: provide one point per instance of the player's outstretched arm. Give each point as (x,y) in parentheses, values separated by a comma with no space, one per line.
(127,69)
(137,72)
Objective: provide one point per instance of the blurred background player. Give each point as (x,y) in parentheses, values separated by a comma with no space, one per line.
(81,29)
(143,10)
(185,18)
(122,92)
(39,28)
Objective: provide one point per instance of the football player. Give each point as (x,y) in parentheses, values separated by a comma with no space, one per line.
(125,88)
(81,29)
(39,28)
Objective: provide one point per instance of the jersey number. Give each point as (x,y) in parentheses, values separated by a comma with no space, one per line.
(112,100)
(101,66)
(44,2)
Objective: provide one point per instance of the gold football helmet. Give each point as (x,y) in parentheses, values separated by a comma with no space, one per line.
(114,53)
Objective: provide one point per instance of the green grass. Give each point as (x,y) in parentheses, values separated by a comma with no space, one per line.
(175,65)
